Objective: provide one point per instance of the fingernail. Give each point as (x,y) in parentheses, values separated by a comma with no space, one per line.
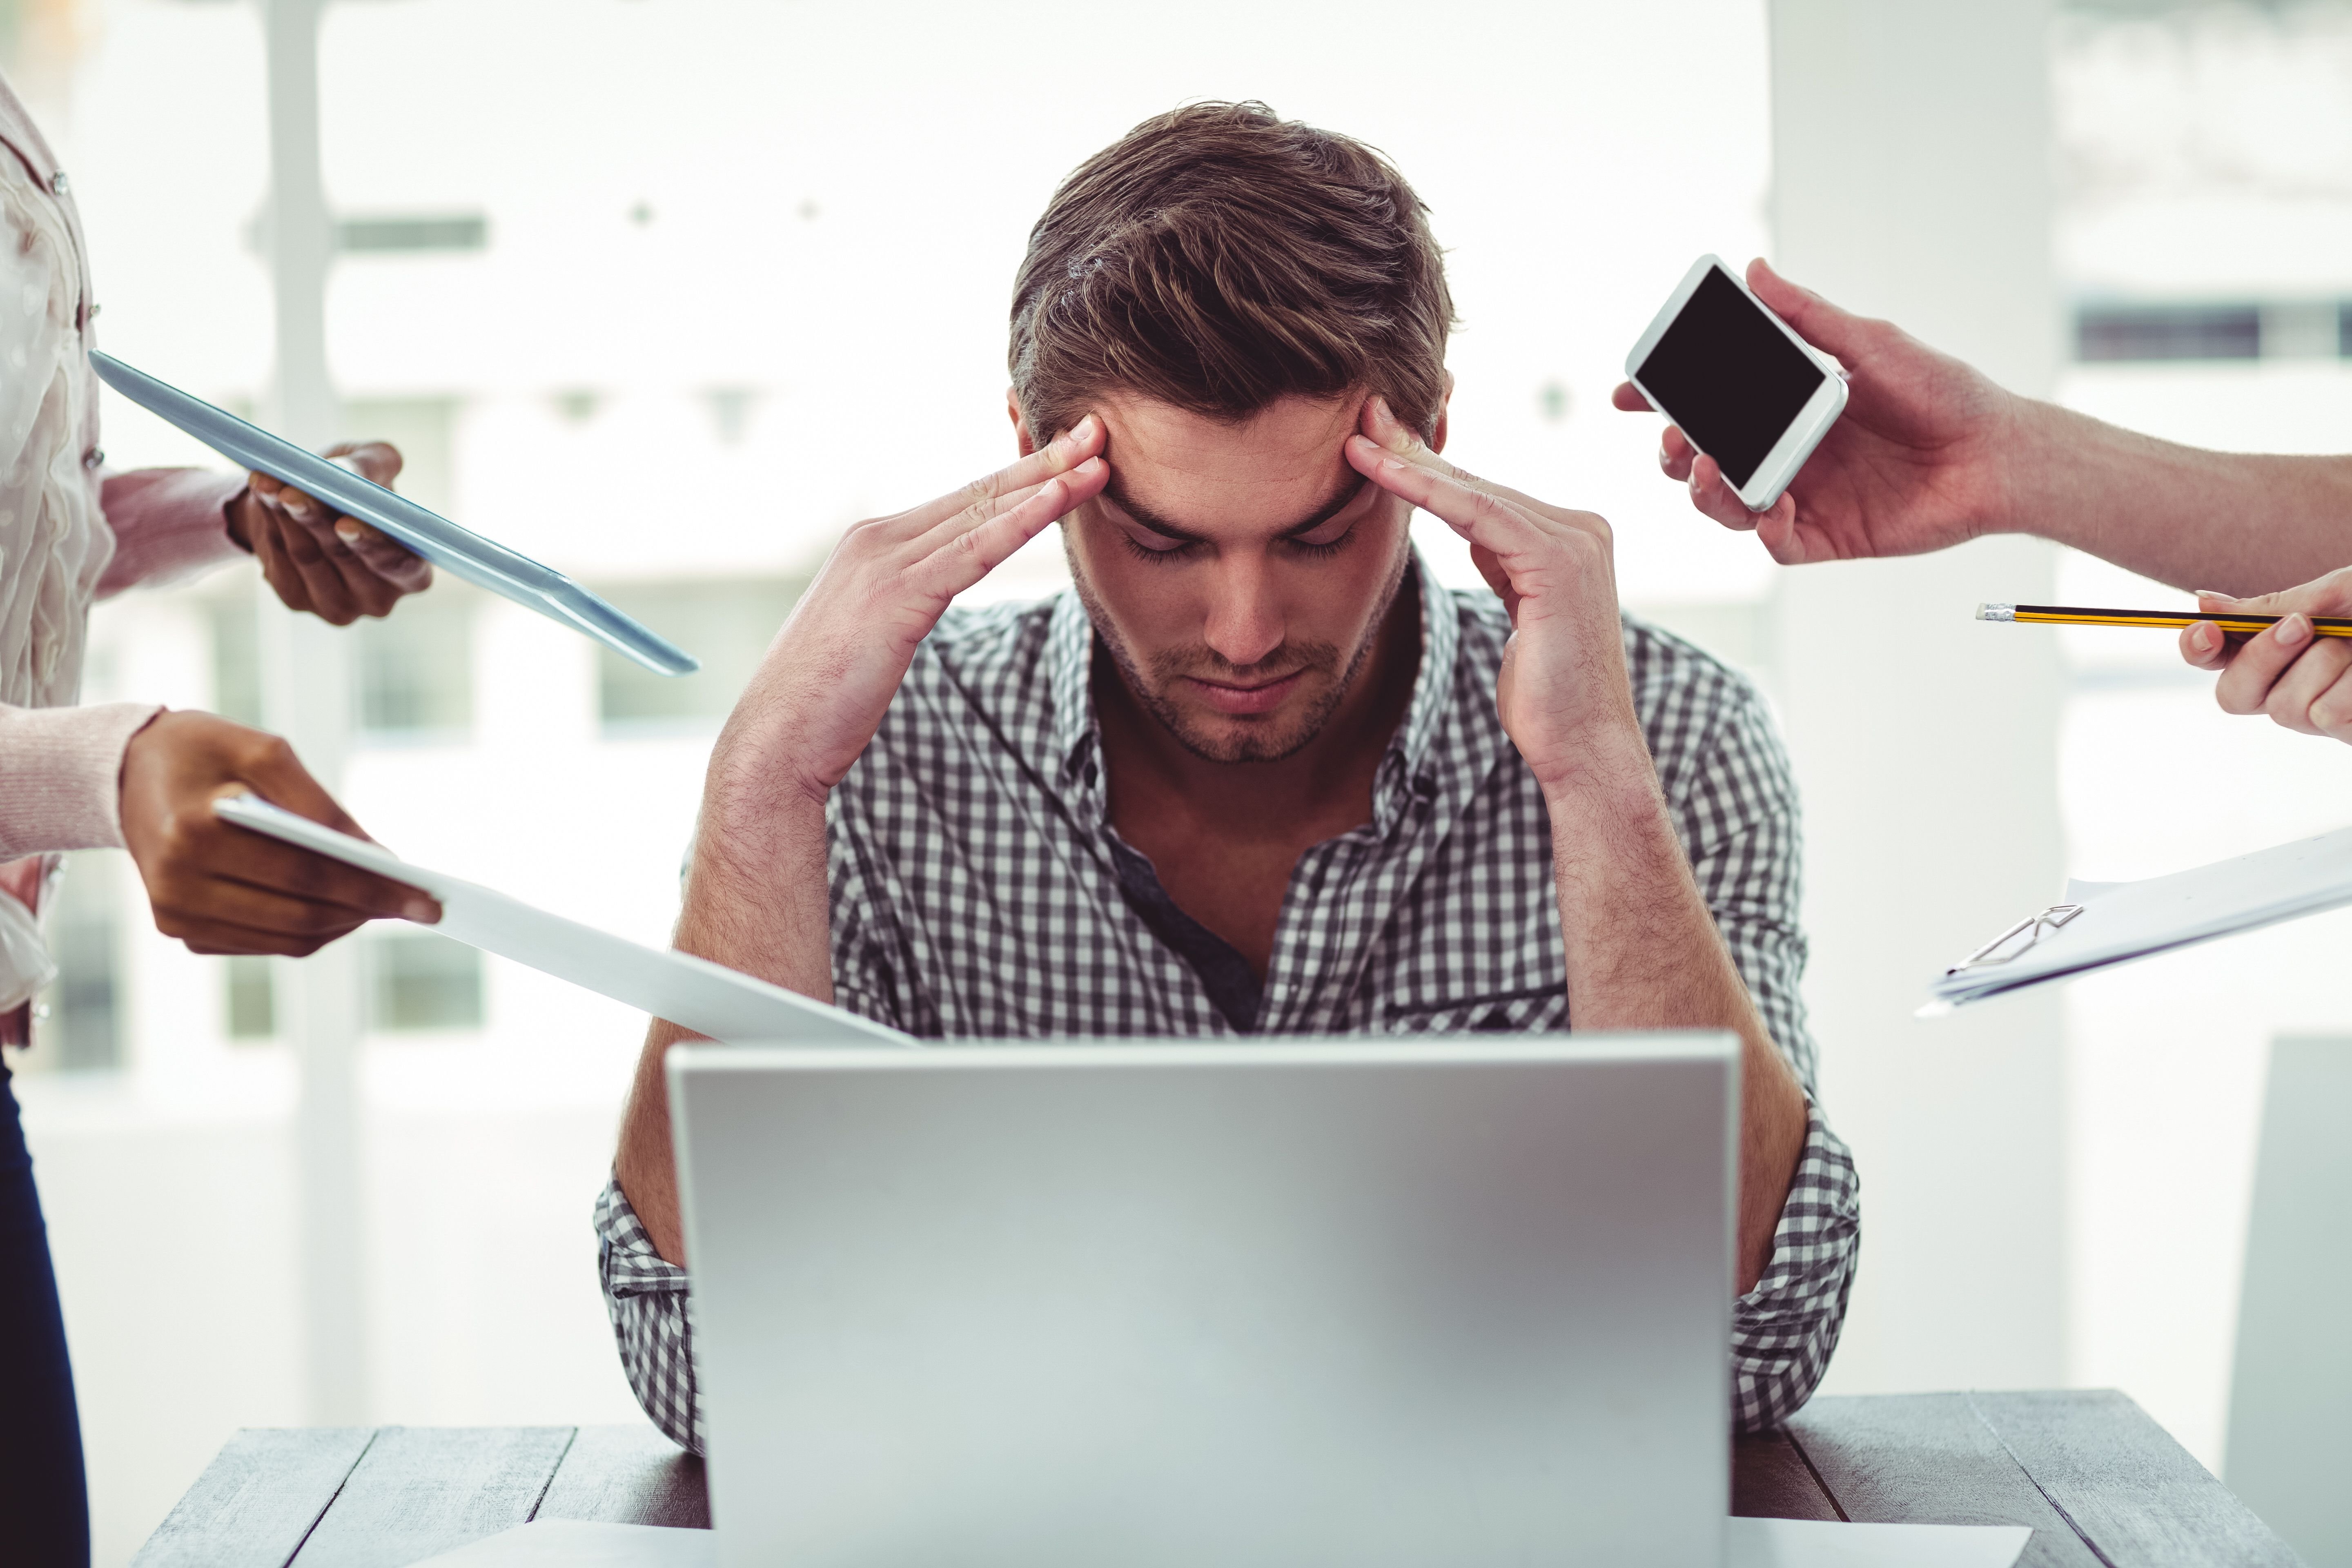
(1396,465)
(2202,638)
(348,531)
(1666,462)
(2213,593)
(424,911)
(301,510)
(2293,629)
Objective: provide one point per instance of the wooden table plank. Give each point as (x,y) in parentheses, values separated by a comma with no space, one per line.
(2126,1486)
(1769,1480)
(423,1489)
(628,1474)
(1926,1458)
(258,1500)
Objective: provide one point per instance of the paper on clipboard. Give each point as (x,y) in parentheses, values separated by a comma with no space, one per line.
(460,552)
(2100,923)
(692,993)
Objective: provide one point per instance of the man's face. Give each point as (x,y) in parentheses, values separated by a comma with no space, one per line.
(1238,574)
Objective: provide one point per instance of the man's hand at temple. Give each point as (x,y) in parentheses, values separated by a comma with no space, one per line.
(1643,950)
(820,690)
(336,568)
(756,894)
(1930,453)
(2303,681)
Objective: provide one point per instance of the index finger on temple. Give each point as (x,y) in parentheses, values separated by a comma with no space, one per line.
(1385,430)
(1058,456)
(1447,494)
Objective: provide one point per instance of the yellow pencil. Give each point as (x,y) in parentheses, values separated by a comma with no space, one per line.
(2069,616)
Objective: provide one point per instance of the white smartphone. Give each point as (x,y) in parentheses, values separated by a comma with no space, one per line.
(1745,389)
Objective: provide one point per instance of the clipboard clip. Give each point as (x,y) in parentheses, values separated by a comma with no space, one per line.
(2031,928)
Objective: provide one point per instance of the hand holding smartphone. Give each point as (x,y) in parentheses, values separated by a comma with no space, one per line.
(1743,386)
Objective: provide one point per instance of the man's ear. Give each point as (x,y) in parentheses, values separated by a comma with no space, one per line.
(1020,423)
(1438,436)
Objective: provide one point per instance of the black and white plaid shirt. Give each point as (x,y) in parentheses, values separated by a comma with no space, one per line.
(980,891)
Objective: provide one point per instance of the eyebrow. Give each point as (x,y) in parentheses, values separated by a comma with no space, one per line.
(1159,525)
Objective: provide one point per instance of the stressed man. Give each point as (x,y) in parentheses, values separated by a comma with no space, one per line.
(1257,773)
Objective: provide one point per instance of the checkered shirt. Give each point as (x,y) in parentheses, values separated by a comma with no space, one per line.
(974,895)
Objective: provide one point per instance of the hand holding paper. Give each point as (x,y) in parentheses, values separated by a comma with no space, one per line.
(689,992)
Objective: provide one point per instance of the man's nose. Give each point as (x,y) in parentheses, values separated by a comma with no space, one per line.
(1244,619)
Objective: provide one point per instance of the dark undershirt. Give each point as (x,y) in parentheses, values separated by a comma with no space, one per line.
(1226,976)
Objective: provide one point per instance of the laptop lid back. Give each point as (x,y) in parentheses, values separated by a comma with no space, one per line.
(1353,1302)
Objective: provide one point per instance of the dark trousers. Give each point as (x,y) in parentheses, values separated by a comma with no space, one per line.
(44,1503)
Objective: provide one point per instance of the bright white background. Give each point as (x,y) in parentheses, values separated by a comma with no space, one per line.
(818,209)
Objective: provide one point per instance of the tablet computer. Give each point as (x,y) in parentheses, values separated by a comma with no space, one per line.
(460,552)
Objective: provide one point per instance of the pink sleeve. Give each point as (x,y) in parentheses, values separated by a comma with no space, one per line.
(61,775)
(167,522)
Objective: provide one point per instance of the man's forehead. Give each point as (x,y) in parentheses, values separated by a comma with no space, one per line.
(1287,460)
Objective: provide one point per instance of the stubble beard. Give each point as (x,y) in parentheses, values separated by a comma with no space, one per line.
(1245,742)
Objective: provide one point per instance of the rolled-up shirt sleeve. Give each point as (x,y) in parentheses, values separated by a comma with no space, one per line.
(646,1296)
(1739,818)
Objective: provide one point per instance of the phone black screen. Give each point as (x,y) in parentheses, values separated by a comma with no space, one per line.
(1726,374)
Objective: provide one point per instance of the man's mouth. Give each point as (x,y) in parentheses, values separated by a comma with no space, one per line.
(1242,699)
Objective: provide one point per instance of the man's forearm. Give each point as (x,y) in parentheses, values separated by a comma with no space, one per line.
(1644,953)
(2236,523)
(755,900)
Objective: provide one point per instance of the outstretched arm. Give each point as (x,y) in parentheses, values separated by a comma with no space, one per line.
(1929,453)
(756,894)
(1642,951)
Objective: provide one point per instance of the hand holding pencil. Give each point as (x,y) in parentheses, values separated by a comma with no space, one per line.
(2287,654)
(2298,671)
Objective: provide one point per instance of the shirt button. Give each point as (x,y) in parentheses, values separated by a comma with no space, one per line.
(95,457)
(58,184)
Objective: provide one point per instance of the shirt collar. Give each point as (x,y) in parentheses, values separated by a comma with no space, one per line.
(1404,774)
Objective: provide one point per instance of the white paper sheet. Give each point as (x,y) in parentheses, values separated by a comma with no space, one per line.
(689,992)
(2123,920)
(1812,1543)
(566,1543)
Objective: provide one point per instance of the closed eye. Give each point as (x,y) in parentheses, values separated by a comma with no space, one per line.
(1153,547)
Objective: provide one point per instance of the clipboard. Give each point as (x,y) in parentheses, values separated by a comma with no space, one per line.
(457,551)
(693,993)
(2104,923)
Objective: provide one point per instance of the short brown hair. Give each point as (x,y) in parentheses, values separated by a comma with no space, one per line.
(1218,259)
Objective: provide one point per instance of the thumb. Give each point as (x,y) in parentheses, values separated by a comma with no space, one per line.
(282,780)
(1819,323)
(378,462)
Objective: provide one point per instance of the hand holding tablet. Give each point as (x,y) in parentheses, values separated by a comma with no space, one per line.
(482,561)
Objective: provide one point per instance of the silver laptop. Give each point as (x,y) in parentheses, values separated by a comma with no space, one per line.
(1350,1304)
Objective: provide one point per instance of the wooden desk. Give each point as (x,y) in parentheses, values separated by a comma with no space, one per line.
(2101,1484)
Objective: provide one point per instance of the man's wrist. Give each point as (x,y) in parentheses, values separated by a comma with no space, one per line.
(1612,763)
